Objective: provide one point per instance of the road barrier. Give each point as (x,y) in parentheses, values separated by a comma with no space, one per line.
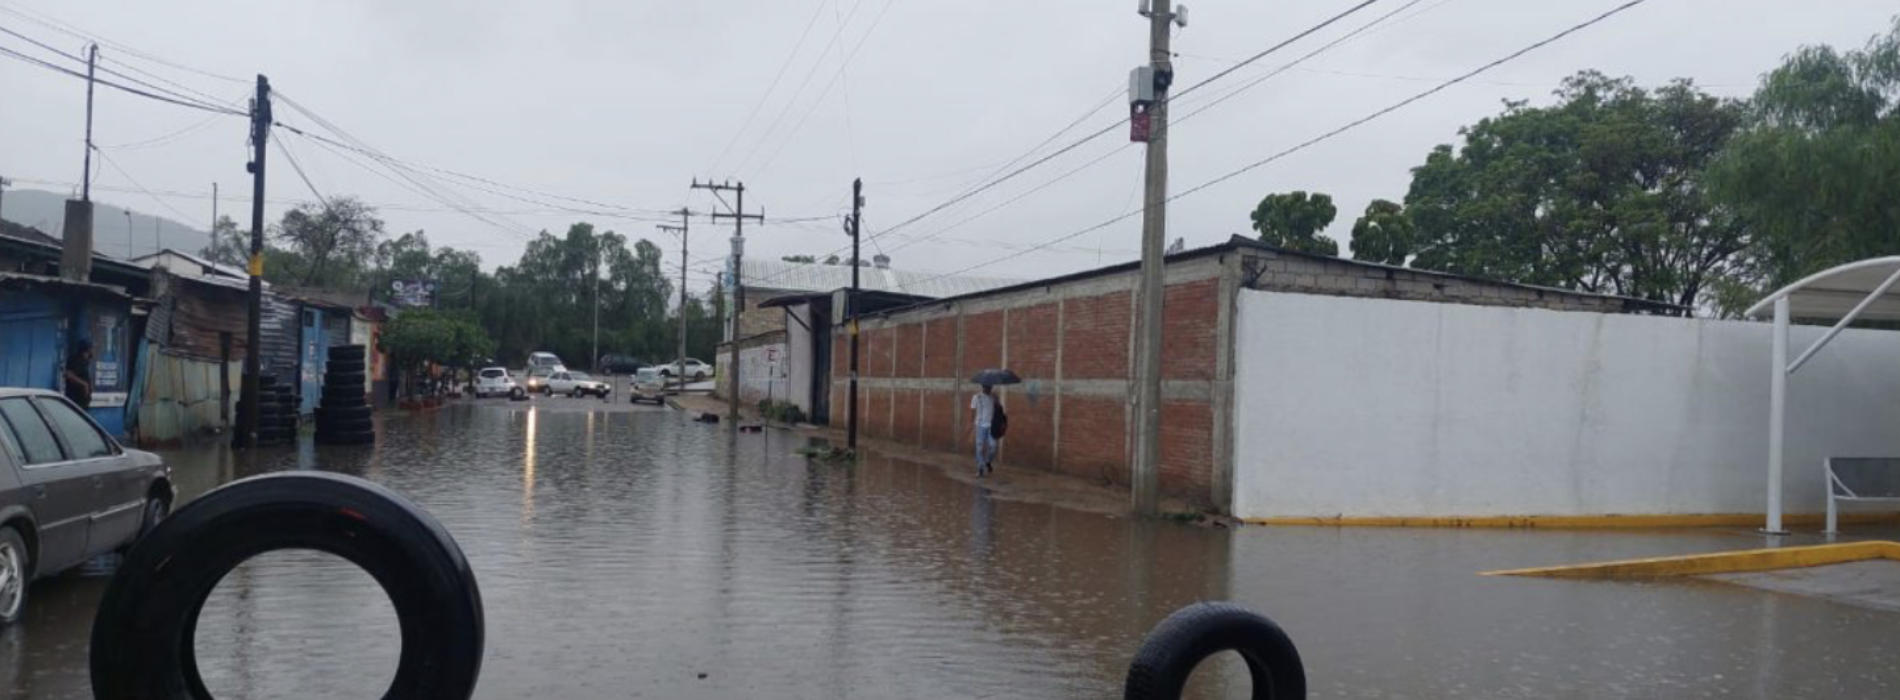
(142,638)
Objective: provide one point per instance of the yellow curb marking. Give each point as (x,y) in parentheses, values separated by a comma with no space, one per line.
(1720,562)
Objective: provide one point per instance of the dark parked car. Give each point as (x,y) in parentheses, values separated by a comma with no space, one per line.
(68,492)
(618,364)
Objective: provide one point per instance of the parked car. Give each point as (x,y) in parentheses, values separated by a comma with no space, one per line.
(650,385)
(69,489)
(575,384)
(537,378)
(618,364)
(493,381)
(546,360)
(691,369)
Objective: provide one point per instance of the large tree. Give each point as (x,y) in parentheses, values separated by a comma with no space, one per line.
(1601,192)
(228,245)
(328,243)
(1815,174)
(1293,220)
(1383,234)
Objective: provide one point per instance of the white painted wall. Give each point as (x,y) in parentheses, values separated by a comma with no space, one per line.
(1370,407)
(798,357)
(764,372)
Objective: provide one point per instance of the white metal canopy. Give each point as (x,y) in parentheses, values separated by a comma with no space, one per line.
(1858,290)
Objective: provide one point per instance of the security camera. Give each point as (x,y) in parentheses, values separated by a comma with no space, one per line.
(1180,16)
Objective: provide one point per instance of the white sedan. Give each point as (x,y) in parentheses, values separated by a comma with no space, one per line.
(692,369)
(575,384)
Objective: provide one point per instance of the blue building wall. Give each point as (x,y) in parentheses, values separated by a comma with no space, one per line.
(37,326)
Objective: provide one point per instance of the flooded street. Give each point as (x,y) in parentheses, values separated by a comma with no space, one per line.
(634,553)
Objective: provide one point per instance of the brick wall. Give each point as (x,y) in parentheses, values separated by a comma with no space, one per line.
(1070,343)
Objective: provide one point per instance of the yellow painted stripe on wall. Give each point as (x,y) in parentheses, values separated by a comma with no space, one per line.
(1719,562)
(1574,522)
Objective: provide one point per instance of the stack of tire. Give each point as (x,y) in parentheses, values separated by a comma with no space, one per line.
(276,412)
(343,417)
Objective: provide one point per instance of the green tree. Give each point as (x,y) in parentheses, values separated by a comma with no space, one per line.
(1815,172)
(228,245)
(1293,220)
(327,244)
(1383,234)
(416,337)
(1601,192)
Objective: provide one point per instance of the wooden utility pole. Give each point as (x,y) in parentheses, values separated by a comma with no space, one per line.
(681,231)
(851,311)
(738,217)
(1145,482)
(246,435)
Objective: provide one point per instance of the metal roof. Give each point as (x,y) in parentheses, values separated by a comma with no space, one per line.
(815,277)
(1835,292)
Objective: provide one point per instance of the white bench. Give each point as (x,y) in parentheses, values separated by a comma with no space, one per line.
(1860,479)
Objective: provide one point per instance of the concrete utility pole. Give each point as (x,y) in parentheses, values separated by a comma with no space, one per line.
(738,217)
(85,180)
(594,359)
(1145,483)
(214,212)
(246,435)
(681,231)
(128,233)
(3,197)
(851,310)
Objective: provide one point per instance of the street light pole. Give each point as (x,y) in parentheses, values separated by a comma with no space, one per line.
(851,312)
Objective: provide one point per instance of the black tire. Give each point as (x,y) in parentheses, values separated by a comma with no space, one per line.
(666,373)
(335,393)
(347,352)
(144,634)
(156,509)
(350,378)
(11,541)
(328,412)
(344,366)
(345,425)
(362,438)
(547,391)
(1161,666)
(699,377)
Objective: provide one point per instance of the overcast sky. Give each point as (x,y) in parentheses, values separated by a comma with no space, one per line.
(624,103)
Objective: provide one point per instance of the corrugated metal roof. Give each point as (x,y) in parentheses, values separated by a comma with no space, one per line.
(809,277)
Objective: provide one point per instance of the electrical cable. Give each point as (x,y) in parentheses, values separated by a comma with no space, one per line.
(1324,136)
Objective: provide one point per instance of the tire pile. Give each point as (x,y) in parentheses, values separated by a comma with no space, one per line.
(276,412)
(343,417)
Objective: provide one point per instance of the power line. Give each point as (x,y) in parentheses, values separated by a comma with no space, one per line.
(136,81)
(782,67)
(1322,137)
(793,100)
(845,60)
(301,175)
(188,219)
(117,86)
(72,31)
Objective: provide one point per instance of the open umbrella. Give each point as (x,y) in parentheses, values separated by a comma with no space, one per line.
(993,377)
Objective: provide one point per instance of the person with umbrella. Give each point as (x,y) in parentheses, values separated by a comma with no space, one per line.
(988,417)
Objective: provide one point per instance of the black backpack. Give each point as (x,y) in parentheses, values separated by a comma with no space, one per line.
(999,424)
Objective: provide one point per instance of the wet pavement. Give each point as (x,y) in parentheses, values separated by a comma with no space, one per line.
(629,552)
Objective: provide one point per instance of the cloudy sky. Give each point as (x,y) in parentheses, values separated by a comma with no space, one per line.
(613,108)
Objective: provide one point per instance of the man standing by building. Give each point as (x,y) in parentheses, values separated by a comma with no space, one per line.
(78,374)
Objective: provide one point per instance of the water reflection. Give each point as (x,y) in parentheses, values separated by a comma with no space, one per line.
(647,550)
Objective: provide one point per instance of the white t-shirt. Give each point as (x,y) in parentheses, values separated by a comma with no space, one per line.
(985,405)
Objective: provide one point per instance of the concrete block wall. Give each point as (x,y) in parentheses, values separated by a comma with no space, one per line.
(1072,344)
(1288,272)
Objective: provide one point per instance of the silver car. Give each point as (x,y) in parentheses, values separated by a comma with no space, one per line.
(68,492)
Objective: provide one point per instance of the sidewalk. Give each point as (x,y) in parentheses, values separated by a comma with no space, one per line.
(1006,483)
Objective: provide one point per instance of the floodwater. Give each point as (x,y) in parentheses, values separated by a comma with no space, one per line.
(627,553)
